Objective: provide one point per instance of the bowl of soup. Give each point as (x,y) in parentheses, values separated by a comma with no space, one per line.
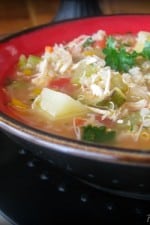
(77,93)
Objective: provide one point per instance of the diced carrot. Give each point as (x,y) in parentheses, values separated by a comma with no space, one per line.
(49,49)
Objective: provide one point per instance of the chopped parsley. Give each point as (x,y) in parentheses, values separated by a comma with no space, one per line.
(97,134)
(118,58)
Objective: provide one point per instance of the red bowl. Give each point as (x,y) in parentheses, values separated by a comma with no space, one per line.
(120,171)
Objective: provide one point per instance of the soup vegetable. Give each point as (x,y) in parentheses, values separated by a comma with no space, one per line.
(95,88)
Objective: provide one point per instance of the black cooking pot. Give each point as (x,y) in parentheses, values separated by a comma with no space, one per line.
(120,171)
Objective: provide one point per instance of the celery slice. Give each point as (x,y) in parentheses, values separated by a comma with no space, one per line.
(118,97)
(22,62)
(33,60)
(29,62)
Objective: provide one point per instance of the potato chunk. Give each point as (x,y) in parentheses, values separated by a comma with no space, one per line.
(58,105)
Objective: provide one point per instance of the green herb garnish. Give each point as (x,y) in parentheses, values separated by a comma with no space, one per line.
(97,134)
(118,58)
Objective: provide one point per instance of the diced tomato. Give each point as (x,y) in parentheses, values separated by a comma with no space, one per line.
(79,121)
(62,84)
(107,122)
(100,43)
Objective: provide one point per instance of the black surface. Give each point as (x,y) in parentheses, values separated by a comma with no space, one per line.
(34,192)
(71,9)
